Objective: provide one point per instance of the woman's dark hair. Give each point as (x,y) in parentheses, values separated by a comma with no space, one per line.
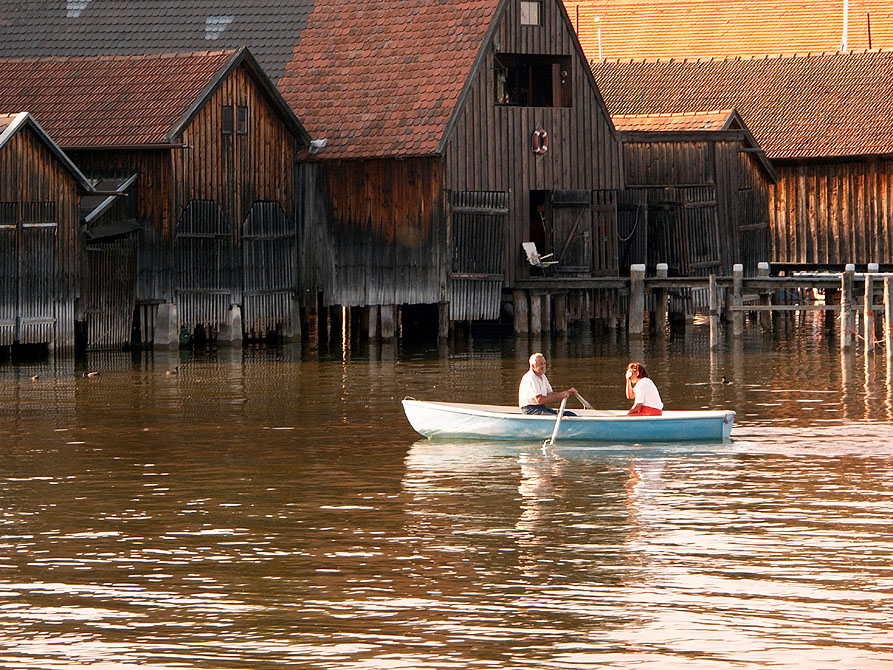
(640,370)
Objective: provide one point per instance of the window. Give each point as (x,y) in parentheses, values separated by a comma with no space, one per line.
(226,120)
(525,80)
(241,120)
(531,11)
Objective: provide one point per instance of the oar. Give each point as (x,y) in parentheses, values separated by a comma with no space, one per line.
(583,401)
(557,423)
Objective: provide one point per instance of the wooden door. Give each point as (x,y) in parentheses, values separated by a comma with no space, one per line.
(269,258)
(110,287)
(477,223)
(28,266)
(572,231)
(701,231)
(203,261)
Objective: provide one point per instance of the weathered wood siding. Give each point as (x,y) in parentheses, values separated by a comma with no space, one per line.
(739,186)
(752,213)
(830,214)
(38,244)
(148,202)
(490,146)
(386,241)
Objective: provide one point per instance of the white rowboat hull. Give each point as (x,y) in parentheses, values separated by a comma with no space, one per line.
(497,422)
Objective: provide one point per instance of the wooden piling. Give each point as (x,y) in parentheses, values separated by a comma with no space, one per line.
(388,314)
(443,320)
(868,314)
(660,301)
(372,321)
(536,314)
(765,315)
(519,299)
(847,313)
(560,308)
(547,313)
(713,307)
(636,316)
(737,299)
(888,318)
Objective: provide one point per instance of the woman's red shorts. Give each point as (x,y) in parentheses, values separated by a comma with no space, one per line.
(644,410)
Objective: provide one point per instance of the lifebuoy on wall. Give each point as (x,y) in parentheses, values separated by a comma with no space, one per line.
(540,141)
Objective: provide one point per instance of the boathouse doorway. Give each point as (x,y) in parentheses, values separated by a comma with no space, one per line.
(269,269)
(28,257)
(203,266)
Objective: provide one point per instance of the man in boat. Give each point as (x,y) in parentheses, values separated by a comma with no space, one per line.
(642,391)
(535,390)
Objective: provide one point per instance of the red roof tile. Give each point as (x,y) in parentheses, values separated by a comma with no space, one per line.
(664,29)
(382,78)
(122,100)
(685,121)
(797,107)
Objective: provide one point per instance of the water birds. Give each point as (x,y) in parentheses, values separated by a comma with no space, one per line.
(90,373)
(175,371)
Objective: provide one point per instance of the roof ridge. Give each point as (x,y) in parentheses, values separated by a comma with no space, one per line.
(120,57)
(751,57)
(696,112)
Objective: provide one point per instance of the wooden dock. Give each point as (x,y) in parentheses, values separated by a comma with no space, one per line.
(728,299)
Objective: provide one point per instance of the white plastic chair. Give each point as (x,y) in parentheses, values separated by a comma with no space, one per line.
(534,258)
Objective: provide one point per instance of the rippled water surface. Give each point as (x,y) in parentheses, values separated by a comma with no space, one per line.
(272,508)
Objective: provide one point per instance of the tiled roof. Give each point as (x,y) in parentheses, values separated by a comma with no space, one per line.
(124,100)
(797,107)
(375,78)
(382,78)
(685,121)
(720,28)
(6,120)
(31,28)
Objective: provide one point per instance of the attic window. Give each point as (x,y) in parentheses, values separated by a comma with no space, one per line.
(216,24)
(226,120)
(241,120)
(525,80)
(531,12)
(73,8)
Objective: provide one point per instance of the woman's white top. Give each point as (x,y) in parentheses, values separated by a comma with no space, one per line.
(646,393)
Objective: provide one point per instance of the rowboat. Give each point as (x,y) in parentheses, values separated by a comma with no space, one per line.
(497,422)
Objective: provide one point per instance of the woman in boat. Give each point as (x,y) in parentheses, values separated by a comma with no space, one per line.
(642,391)
(535,390)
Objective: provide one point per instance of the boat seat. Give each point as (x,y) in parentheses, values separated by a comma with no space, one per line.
(535,259)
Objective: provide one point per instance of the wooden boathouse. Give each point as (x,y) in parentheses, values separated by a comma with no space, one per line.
(481,129)
(196,222)
(696,193)
(40,189)
(822,120)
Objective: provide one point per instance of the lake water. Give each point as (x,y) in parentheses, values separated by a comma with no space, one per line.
(271,508)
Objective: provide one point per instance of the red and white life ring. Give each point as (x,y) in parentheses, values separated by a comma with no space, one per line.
(540,141)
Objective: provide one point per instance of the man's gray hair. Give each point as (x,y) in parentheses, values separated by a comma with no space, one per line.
(533,357)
